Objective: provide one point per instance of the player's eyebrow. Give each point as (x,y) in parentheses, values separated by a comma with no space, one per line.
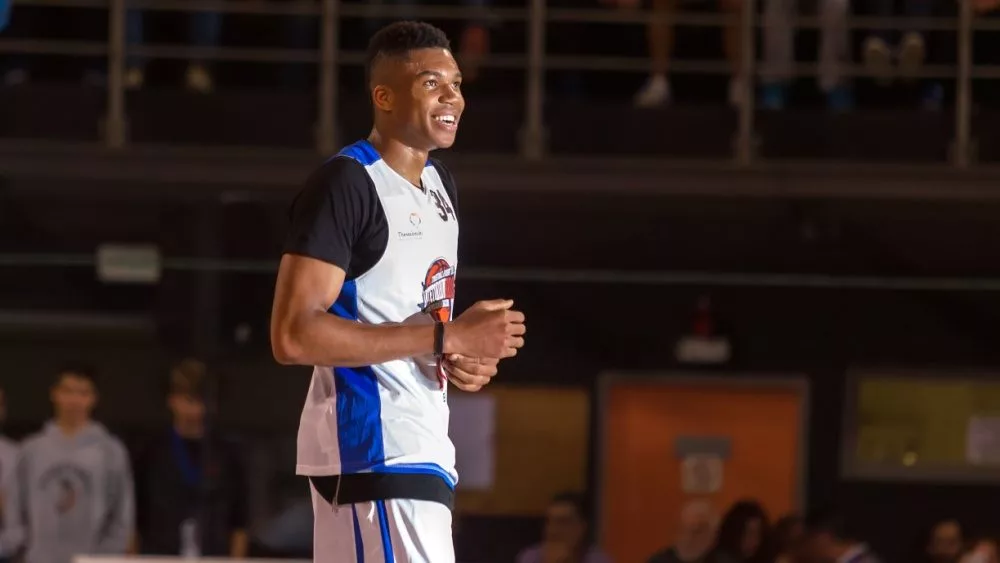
(436,74)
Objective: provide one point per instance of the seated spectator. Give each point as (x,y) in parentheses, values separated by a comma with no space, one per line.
(944,542)
(695,536)
(23,23)
(785,544)
(742,533)
(203,31)
(779,53)
(565,537)
(827,542)
(656,91)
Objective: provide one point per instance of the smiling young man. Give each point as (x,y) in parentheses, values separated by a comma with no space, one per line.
(365,293)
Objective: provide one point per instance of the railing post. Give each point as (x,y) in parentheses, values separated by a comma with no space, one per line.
(114,120)
(326,134)
(533,131)
(745,140)
(962,150)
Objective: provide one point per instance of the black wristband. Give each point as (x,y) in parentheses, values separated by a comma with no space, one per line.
(439,339)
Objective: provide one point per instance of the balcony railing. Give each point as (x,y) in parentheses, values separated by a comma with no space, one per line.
(535,61)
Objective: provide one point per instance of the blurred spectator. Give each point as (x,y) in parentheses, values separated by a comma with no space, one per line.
(982,551)
(656,91)
(779,52)
(73,493)
(695,536)
(191,484)
(828,543)
(944,542)
(203,31)
(565,537)
(742,533)
(785,543)
(880,51)
(22,24)
(8,461)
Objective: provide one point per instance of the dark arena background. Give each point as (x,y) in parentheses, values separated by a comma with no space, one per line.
(739,293)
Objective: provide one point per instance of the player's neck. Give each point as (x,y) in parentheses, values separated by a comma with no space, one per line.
(407,161)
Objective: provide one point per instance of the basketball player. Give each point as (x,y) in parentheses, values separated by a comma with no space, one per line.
(365,292)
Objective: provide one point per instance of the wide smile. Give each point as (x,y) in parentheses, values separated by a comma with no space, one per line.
(446,121)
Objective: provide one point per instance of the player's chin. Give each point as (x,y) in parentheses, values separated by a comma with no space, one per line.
(443,139)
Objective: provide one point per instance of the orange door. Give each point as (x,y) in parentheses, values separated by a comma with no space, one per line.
(641,485)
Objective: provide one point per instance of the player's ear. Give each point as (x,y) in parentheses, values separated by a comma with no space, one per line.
(382,98)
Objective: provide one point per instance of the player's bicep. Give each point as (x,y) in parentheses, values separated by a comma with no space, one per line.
(305,287)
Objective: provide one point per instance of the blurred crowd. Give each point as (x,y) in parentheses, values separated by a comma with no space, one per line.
(72,488)
(746,534)
(888,55)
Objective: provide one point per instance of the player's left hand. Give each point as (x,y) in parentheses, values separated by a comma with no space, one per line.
(470,374)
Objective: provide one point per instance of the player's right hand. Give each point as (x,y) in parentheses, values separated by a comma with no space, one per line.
(488,329)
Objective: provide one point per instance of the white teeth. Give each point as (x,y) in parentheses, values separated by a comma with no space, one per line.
(449,119)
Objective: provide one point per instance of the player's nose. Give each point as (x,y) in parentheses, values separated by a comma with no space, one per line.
(451,95)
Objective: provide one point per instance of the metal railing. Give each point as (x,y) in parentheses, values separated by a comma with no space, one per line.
(536,60)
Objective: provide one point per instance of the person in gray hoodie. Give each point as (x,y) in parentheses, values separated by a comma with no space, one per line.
(73,492)
(8,461)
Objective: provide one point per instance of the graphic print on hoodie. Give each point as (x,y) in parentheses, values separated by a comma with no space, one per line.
(73,495)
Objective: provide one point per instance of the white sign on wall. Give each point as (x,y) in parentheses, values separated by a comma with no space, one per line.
(701,474)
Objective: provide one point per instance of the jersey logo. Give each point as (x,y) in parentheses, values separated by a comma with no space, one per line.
(439,290)
(441,202)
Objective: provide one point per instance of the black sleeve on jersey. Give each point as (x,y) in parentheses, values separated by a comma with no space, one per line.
(337,218)
(449,183)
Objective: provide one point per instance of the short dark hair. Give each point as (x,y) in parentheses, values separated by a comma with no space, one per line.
(398,39)
(78,370)
(576,500)
(826,521)
(189,377)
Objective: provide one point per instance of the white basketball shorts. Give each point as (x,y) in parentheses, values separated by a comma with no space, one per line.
(389,531)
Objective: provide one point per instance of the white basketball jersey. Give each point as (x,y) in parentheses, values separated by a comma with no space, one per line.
(391,417)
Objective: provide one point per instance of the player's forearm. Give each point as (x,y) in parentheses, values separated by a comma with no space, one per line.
(322,339)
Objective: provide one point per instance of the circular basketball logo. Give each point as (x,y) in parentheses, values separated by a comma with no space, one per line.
(439,290)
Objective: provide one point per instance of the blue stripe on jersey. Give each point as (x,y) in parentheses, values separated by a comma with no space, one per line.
(363,152)
(346,305)
(383,524)
(359,548)
(359,408)
(418,469)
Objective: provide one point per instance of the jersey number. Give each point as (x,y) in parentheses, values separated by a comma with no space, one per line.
(444,210)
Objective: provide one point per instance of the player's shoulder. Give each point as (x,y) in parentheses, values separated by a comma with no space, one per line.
(340,172)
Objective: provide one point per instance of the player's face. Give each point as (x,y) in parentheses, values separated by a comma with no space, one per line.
(430,103)
(74,398)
